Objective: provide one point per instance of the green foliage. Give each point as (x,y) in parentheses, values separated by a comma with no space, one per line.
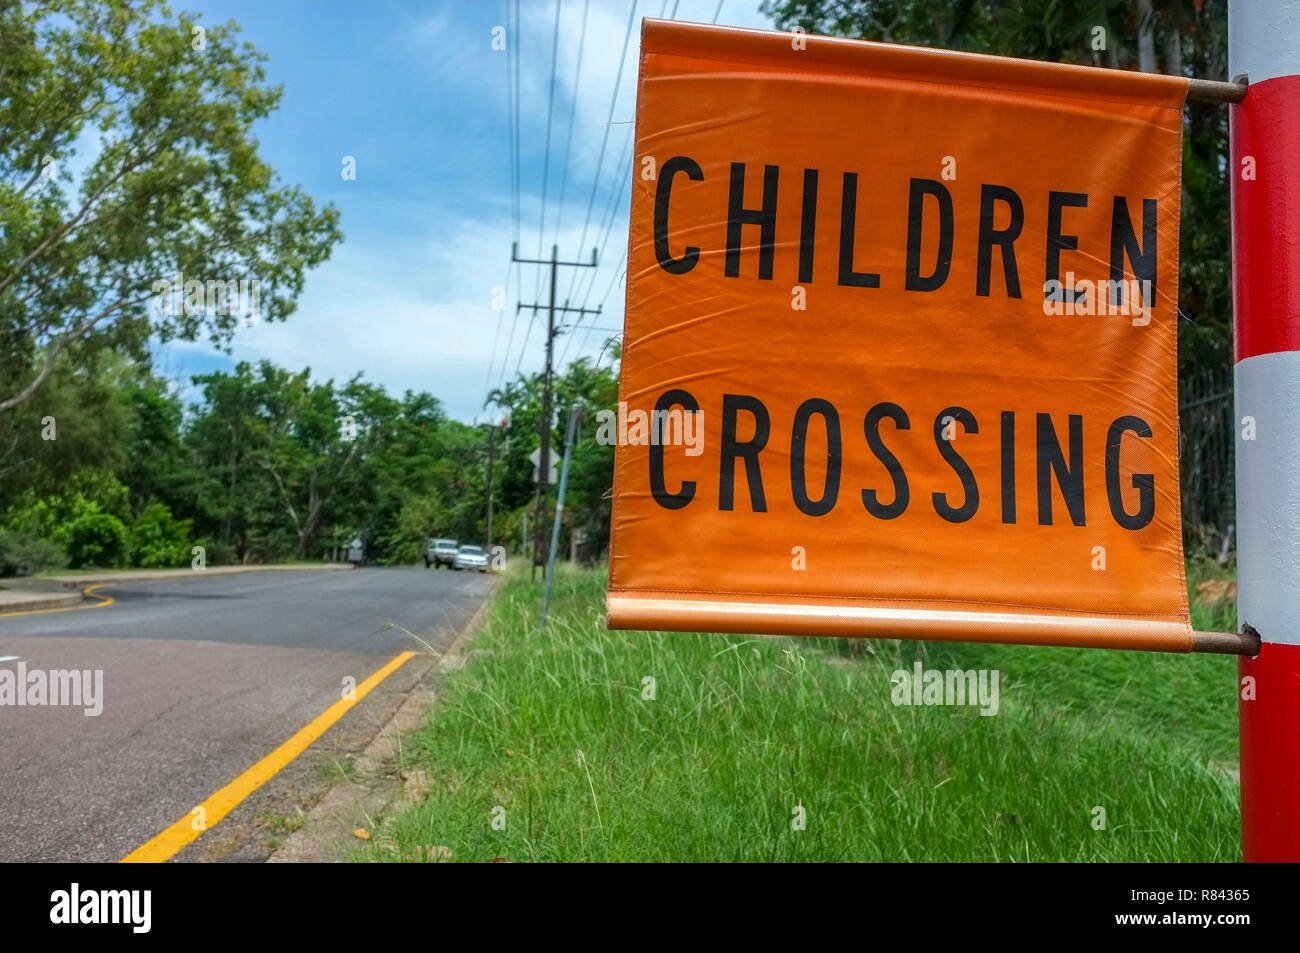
(216,552)
(159,540)
(91,536)
(85,523)
(587,506)
(267,464)
(168,182)
(286,465)
(26,554)
(421,518)
(78,424)
(171,182)
(157,468)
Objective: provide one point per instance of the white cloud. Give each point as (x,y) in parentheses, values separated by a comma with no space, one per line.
(407,298)
(419,320)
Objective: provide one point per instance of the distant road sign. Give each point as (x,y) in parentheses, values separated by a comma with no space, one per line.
(535,458)
(921,307)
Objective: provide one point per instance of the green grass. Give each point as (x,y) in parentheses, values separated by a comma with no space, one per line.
(552,726)
(1222,618)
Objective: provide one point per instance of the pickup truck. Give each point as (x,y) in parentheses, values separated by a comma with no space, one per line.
(440,552)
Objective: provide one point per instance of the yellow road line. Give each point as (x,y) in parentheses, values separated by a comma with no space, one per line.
(224,801)
(89,591)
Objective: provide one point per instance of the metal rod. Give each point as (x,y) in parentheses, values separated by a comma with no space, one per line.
(559,511)
(1226,643)
(1213,91)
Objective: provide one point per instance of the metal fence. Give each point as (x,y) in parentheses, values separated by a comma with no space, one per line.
(1207,442)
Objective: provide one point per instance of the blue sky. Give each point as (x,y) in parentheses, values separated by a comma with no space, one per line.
(415,92)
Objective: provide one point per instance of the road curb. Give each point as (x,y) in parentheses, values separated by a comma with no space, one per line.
(39,603)
(164,575)
(327,834)
(51,592)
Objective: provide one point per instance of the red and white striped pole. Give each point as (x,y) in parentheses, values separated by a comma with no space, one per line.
(1264,45)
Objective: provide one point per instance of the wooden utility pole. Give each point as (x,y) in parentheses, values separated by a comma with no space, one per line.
(544,463)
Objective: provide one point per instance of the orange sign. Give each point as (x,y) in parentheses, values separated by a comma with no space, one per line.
(900,341)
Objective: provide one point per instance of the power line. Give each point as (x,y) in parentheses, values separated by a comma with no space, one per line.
(496,338)
(613,281)
(573,114)
(604,142)
(513,51)
(512,132)
(546,171)
(617,198)
(614,200)
(546,156)
(616,262)
(600,161)
(512,57)
(613,205)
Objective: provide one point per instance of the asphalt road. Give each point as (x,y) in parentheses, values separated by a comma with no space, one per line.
(201,679)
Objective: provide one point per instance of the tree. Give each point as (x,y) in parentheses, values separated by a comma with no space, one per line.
(217,440)
(173,186)
(79,423)
(297,441)
(278,450)
(286,463)
(158,468)
(591,468)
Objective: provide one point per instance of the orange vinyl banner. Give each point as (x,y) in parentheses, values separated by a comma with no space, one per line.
(900,346)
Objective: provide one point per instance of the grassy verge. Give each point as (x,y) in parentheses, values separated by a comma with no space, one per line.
(553,728)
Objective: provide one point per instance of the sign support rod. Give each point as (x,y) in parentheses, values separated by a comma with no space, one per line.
(1213,91)
(559,511)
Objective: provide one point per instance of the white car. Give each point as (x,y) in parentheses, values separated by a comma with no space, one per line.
(471,557)
(440,552)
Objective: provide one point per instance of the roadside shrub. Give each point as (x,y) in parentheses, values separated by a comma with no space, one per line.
(92,537)
(85,528)
(159,540)
(216,552)
(22,554)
